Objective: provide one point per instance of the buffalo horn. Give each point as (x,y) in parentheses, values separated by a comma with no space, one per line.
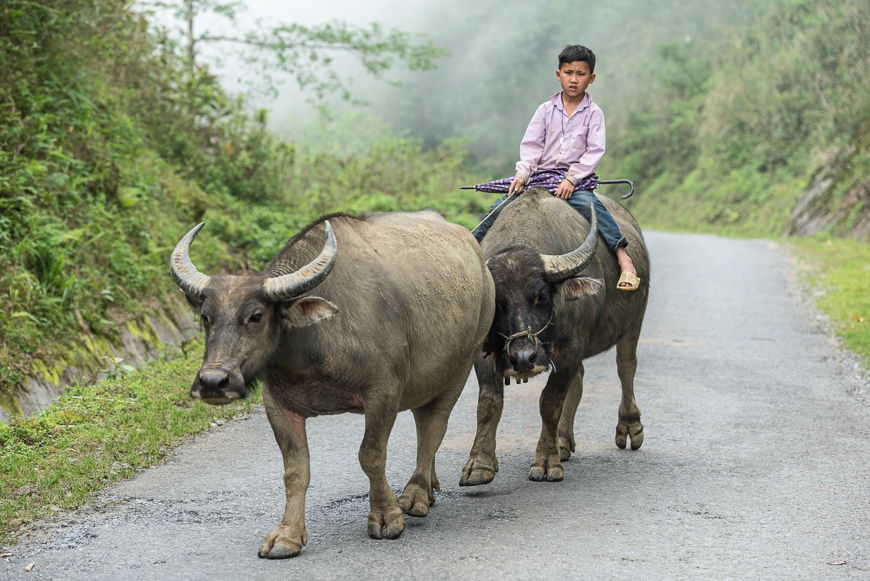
(186,276)
(287,286)
(561,266)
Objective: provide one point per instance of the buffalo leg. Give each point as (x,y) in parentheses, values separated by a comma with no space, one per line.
(289,429)
(431,420)
(629,413)
(482,463)
(548,465)
(569,410)
(385,516)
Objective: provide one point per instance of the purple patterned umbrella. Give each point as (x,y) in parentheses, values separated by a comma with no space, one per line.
(549,179)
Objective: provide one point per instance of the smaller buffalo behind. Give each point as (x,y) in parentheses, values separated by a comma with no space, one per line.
(403,303)
(556,305)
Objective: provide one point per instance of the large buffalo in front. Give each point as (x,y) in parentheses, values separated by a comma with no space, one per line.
(556,305)
(369,316)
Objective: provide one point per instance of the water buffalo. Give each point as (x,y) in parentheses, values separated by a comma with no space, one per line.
(404,302)
(556,298)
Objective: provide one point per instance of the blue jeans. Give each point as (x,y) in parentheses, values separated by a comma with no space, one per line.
(580,201)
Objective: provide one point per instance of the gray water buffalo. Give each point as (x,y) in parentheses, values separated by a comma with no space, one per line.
(404,302)
(556,305)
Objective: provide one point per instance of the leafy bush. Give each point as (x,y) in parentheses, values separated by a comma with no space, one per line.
(110,150)
(729,133)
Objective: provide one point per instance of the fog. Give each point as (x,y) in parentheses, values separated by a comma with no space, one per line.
(501,63)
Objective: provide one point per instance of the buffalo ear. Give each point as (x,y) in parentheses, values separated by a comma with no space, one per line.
(575,288)
(194,302)
(307,311)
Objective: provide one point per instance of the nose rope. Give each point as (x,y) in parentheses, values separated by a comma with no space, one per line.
(533,337)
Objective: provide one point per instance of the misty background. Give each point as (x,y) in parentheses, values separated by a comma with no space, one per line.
(500,66)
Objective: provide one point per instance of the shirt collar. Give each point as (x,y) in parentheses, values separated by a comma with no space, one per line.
(557,101)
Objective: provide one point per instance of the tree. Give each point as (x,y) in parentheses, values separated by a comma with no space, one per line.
(304,52)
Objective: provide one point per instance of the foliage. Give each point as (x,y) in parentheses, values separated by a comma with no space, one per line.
(721,112)
(96,435)
(303,52)
(837,272)
(111,149)
(764,108)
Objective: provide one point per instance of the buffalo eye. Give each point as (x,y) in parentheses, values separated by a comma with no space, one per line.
(256,318)
(204,319)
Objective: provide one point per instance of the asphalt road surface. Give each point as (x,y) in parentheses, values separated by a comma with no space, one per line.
(754,465)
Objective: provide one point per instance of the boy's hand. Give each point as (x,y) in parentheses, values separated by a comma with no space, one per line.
(516,186)
(565,190)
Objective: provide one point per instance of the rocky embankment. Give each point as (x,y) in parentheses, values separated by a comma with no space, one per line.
(838,199)
(137,342)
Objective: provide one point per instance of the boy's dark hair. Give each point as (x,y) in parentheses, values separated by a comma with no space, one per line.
(577,52)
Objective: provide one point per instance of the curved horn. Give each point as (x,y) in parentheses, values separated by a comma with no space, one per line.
(561,266)
(186,276)
(287,286)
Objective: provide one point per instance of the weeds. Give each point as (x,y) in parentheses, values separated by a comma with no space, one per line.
(95,435)
(838,272)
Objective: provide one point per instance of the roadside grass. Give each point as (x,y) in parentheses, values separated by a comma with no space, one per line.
(839,274)
(99,434)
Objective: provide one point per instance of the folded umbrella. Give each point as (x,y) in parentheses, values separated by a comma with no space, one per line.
(549,179)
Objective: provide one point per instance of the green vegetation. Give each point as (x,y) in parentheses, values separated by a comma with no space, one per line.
(95,435)
(729,133)
(838,273)
(111,149)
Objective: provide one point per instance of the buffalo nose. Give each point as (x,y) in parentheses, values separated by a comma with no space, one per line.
(523,360)
(213,383)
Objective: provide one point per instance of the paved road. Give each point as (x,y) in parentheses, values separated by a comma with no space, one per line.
(755,464)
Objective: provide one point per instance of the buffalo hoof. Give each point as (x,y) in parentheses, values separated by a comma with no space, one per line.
(476,473)
(279,552)
(548,472)
(634,431)
(566,446)
(389,524)
(282,544)
(415,501)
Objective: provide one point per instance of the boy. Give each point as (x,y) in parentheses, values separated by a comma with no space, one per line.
(567,133)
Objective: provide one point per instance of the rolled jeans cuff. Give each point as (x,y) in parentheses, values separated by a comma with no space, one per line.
(622,242)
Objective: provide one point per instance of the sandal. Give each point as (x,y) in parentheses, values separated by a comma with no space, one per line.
(630,279)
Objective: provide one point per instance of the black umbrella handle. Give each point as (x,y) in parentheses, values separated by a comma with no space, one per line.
(468,188)
(630,192)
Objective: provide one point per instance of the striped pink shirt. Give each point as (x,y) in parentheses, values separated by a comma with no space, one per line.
(555,140)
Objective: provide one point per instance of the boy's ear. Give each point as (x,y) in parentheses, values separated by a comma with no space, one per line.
(572,289)
(307,311)
(194,302)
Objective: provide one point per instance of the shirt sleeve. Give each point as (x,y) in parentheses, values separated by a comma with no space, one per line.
(595,142)
(532,145)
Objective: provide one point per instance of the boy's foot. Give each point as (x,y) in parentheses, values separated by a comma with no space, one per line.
(628,280)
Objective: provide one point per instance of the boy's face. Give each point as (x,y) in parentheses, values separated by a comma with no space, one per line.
(575,77)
